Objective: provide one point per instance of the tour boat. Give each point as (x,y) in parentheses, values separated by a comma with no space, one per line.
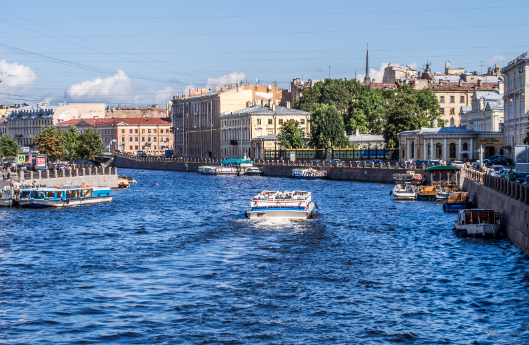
(207,170)
(249,171)
(483,223)
(426,193)
(409,176)
(457,201)
(63,196)
(232,166)
(225,170)
(273,204)
(404,191)
(309,174)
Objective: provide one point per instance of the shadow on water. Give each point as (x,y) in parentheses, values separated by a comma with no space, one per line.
(177,262)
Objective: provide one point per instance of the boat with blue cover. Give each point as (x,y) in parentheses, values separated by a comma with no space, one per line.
(309,174)
(63,196)
(274,204)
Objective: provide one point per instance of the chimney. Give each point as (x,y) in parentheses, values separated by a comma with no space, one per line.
(270,102)
(248,104)
(232,86)
(216,89)
(287,104)
(224,88)
(273,107)
(357,132)
(96,117)
(373,80)
(263,102)
(479,82)
(440,81)
(460,82)
(500,87)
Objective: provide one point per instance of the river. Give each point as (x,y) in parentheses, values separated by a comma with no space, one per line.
(172,260)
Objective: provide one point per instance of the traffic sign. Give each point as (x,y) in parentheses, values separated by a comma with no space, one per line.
(21,159)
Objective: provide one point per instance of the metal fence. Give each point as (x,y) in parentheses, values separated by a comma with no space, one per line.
(342,154)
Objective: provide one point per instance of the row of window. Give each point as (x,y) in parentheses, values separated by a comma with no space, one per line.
(143,131)
(143,139)
(452,111)
(452,99)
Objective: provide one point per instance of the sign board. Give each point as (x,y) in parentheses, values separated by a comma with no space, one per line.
(21,159)
(490,141)
(292,156)
(40,162)
(30,157)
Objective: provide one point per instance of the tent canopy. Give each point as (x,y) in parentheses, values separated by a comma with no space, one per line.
(236,161)
(442,169)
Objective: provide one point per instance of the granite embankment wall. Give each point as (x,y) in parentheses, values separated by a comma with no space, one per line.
(93,176)
(511,199)
(272,169)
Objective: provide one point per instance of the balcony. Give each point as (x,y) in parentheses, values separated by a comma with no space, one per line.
(234,142)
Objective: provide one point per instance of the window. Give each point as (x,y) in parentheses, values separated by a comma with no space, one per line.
(122,131)
(154,139)
(136,147)
(270,121)
(302,121)
(130,138)
(136,139)
(465,148)
(148,138)
(166,131)
(258,121)
(149,130)
(452,111)
(442,99)
(155,131)
(462,100)
(142,138)
(136,131)
(438,151)
(452,122)
(130,131)
(452,99)
(155,147)
(130,147)
(280,121)
(452,150)
(442,111)
(142,131)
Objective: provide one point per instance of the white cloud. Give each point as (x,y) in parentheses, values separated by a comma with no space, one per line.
(498,59)
(226,79)
(378,75)
(16,79)
(116,89)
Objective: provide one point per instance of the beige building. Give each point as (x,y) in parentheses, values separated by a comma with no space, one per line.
(25,122)
(448,143)
(152,135)
(252,130)
(516,105)
(485,113)
(392,74)
(135,112)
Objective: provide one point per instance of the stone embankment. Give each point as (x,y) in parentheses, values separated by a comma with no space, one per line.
(89,175)
(509,198)
(345,171)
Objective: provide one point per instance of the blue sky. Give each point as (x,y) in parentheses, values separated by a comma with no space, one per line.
(143,52)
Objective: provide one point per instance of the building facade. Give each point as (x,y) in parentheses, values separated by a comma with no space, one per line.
(252,130)
(152,135)
(26,122)
(485,112)
(135,112)
(392,74)
(448,143)
(515,98)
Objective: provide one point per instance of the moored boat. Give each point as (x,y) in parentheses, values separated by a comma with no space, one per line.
(409,176)
(426,193)
(274,204)
(207,170)
(457,201)
(309,174)
(404,191)
(482,223)
(63,196)
(249,171)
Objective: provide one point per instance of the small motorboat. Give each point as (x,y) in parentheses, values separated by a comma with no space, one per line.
(444,191)
(457,201)
(427,193)
(409,176)
(404,191)
(123,181)
(249,171)
(309,174)
(482,223)
(207,170)
(63,196)
(273,204)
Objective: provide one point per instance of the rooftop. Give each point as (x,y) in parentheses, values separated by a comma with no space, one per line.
(128,121)
(463,87)
(265,110)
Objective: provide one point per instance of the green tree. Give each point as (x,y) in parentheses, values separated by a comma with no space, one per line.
(50,142)
(90,144)
(8,147)
(70,143)
(291,135)
(404,114)
(327,125)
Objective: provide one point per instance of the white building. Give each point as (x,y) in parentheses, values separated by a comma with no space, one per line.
(485,112)
(516,107)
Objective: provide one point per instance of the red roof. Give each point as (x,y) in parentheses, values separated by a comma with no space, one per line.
(128,120)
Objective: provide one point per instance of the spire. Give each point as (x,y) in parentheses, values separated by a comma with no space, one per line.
(367,78)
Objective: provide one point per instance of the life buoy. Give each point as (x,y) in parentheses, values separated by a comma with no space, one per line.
(314,174)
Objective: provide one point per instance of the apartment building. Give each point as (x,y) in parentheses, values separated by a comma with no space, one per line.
(485,112)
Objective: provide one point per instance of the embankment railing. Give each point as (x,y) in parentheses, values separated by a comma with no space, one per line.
(513,189)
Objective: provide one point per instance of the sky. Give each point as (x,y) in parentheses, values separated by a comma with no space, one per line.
(145,52)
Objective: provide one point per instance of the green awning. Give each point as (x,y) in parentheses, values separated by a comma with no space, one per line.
(442,169)
(236,161)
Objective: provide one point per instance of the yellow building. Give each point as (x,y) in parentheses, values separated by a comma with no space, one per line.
(251,130)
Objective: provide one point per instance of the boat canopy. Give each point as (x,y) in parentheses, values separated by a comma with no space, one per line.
(236,161)
(442,169)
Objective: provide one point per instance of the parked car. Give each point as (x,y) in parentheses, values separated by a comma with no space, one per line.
(491,158)
(475,166)
(521,177)
(7,165)
(418,162)
(434,163)
(377,162)
(316,161)
(61,166)
(499,161)
(458,164)
(22,167)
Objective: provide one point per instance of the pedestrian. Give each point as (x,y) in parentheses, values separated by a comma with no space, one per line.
(512,175)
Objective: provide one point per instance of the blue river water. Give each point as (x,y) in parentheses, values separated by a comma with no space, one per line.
(177,262)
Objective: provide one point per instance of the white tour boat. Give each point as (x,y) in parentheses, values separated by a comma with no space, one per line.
(474,222)
(309,174)
(63,196)
(404,191)
(249,171)
(207,170)
(273,204)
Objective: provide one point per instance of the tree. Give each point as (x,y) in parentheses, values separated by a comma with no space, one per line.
(327,125)
(526,139)
(50,142)
(291,135)
(90,144)
(404,114)
(70,143)
(8,147)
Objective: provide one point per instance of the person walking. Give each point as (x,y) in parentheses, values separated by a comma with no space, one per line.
(512,175)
